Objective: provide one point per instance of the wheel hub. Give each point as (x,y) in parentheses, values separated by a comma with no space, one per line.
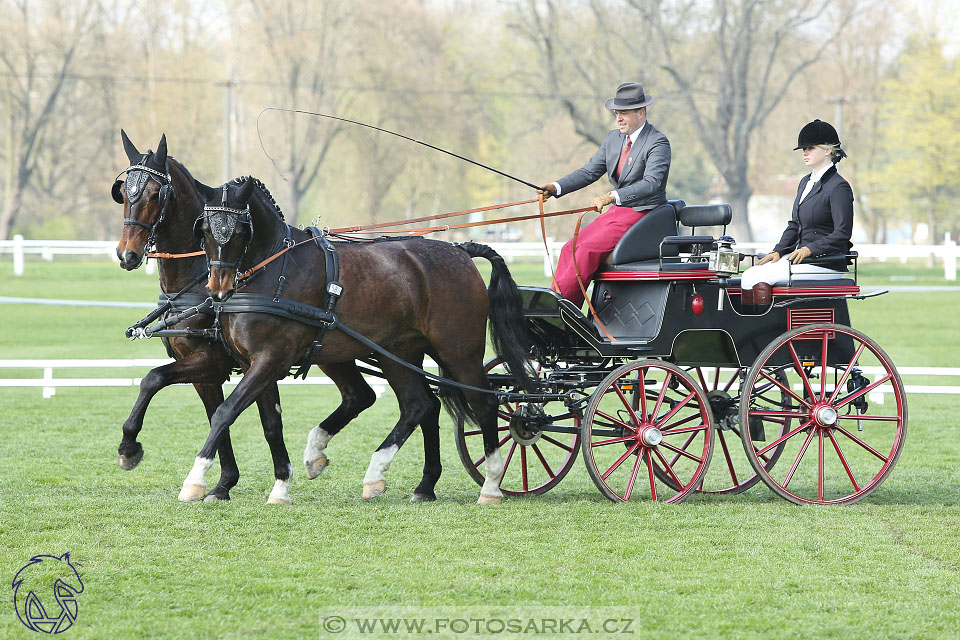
(724,409)
(825,416)
(525,423)
(649,436)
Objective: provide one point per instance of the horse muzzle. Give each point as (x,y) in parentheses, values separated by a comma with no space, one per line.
(222,283)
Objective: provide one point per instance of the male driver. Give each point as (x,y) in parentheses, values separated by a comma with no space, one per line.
(636,159)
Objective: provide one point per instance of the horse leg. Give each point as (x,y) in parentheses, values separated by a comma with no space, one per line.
(256,381)
(268,404)
(413,396)
(355,396)
(212,397)
(430,428)
(194,368)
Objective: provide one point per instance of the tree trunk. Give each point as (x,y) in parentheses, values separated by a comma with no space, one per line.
(738,197)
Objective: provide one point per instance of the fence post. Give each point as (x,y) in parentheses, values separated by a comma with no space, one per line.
(949,258)
(18,255)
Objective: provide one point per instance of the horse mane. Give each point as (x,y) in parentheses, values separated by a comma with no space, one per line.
(264,194)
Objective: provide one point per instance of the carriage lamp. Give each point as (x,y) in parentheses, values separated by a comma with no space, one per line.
(724,261)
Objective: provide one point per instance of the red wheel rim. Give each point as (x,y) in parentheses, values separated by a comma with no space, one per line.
(731,471)
(647,433)
(833,454)
(533,464)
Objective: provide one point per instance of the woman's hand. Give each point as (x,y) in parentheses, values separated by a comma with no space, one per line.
(773,256)
(799,255)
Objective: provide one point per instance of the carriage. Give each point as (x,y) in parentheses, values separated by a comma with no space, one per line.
(677,387)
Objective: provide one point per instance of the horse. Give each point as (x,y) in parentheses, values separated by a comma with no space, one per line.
(412,297)
(161,202)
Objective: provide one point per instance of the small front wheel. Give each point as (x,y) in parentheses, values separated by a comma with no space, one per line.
(647,433)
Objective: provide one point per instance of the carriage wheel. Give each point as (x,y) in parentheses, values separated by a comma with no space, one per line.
(534,461)
(733,473)
(849,417)
(647,433)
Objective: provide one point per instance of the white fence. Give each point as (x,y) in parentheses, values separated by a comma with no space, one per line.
(947,253)
(49,383)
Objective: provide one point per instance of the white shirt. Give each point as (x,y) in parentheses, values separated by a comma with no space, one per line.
(814,178)
(633,141)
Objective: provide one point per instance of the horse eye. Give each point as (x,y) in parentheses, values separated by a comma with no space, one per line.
(155,196)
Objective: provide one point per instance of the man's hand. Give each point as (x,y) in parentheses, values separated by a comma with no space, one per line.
(799,255)
(773,256)
(548,190)
(602,201)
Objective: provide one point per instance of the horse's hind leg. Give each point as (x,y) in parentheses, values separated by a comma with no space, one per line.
(196,368)
(355,396)
(417,405)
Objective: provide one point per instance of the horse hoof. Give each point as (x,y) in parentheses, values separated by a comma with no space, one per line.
(316,467)
(213,497)
(489,499)
(423,497)
(272,500)
(192,493)
(131,462)
(373,489)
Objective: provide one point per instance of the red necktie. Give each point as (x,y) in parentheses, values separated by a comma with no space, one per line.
(623,158)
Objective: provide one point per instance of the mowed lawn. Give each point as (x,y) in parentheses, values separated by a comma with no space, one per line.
(746,566)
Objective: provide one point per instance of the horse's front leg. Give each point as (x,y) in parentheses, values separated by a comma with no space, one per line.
(268,404)
(256,381)
(197,368)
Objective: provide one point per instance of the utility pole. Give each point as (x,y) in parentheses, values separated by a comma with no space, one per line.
(838,103)
(228,86)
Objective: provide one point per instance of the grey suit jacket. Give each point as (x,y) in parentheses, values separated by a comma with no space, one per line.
(643,184)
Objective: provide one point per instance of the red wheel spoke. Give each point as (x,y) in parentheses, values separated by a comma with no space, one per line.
(846,372)
(557,443)
(823,370)
(843,461)
(862,443)
(474,432)
(690,418)
(673,432)
(523,468)
(484,456)
(680,451)
(626,404)
(733,378)
(513,447)
(716,377)
(543,461)
(726,455)
(855,416)
(642,388)
(663,391)
(847,400)
(619,461)
(784,438)
(765,413)
(703,382)
(784,388)
(683,447)
(668,467)
(600,443)
(799,367)
(673,411)
(755,450)
(653,486)
(617,421)
(820,456)
(633,478)
(796,463)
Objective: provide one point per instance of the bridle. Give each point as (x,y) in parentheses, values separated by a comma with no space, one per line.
(137,177)
(223,224)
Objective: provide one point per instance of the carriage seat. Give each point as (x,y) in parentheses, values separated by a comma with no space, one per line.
(641,242)
(734,283)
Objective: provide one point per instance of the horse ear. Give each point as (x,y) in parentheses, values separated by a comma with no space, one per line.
(246,190)
(132,154)
(161,154)
(208,194)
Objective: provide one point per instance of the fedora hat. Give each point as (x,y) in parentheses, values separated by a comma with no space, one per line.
(629,95)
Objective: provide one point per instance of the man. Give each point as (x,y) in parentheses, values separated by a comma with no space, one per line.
(636,159)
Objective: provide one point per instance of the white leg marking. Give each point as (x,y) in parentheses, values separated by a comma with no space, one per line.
(374,481)
(196,484)
(314,457)
(490,491)
(279,410)
(281,489)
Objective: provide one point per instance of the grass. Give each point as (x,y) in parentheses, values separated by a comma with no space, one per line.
(747,566)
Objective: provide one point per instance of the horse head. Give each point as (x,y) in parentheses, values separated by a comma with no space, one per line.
(146,194)
(226,227)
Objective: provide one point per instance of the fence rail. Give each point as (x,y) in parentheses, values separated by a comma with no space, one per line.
(947,253)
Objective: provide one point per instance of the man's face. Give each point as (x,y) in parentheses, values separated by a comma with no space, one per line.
(630,120)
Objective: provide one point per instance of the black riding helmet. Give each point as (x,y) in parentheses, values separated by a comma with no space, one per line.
(819,132)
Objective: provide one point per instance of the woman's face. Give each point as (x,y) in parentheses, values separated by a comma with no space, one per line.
(815,157)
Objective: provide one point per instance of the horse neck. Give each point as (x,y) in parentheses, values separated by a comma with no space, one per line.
(269,228)
(175,233)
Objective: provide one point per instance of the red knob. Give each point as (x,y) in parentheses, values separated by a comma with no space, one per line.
(697,305)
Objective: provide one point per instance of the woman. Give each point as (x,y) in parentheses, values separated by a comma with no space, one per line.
(821,223)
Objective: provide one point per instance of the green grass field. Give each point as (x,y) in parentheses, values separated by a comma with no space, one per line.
(746,566)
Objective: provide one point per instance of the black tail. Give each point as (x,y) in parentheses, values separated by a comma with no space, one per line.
(508,328)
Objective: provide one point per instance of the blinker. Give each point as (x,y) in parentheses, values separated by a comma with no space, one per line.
(136,181)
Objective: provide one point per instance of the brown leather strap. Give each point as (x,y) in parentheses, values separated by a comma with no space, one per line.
(383,225)
(154,254)
(576,270)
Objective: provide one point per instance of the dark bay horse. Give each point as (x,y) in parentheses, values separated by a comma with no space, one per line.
(411,297)
(204,363)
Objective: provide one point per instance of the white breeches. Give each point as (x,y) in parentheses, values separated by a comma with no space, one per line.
(781,272)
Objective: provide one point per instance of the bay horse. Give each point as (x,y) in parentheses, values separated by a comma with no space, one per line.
(164,217)
(411,297)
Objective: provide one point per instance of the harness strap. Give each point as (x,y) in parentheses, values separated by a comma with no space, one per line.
(331,295)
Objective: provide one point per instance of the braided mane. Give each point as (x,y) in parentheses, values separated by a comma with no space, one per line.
(264,193)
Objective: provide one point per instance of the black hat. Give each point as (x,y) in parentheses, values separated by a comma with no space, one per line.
(629,95)
(817,132)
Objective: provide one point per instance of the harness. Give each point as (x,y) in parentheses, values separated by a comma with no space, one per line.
(137,177)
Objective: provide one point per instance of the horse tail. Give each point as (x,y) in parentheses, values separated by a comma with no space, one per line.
(508,327)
